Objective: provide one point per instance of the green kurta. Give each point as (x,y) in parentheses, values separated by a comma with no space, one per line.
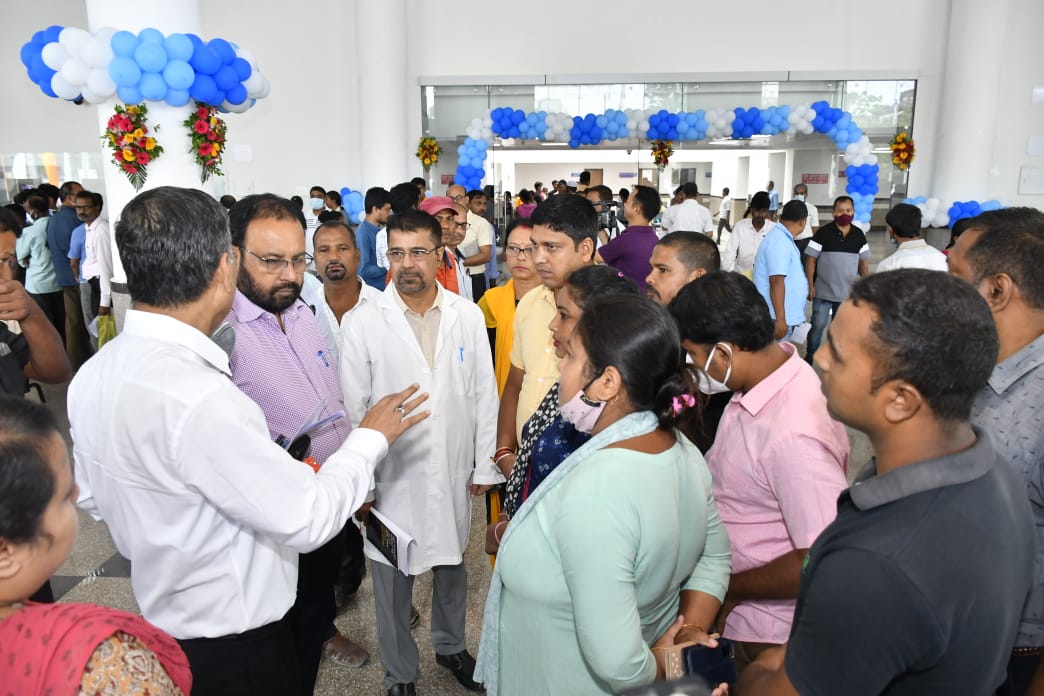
(592,576)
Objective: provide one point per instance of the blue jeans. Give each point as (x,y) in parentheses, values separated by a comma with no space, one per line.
(822,312)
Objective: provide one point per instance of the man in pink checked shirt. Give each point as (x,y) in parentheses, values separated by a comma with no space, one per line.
(778,460)
(281,361)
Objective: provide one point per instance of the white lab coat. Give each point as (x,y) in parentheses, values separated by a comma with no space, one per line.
(422,483)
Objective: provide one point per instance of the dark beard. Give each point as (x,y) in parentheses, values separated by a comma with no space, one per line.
(266,301)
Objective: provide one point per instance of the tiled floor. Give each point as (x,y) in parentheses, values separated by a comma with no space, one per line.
(95,572)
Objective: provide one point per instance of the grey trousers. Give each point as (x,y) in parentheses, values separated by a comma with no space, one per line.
(393,597)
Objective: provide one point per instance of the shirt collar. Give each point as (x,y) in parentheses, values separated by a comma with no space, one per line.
(246,311)
(1015,367)
(639,228)
(765,390)
(163,327)
(437,304)
(913,244)
(873,490)
(91,226)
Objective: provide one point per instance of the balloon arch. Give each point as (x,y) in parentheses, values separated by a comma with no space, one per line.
(693,126)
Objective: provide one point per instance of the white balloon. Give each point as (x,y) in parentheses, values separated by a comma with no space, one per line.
(73,38)
(730,116)
(236,108)
(934,203)
(75,72)
(92,98)
(100,83)
(476,122)
(486,133)
(254,83)
(54,55)
(265,89)
(97,53)
(246,55)
(942,219)
(62,88)
(105,34)
(643,126)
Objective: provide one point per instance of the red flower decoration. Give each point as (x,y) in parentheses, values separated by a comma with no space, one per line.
(201,126)
(206,130)
(205,149)
(130,152)
(203,112)
(143,158)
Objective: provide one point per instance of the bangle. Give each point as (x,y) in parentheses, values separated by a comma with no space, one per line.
(498,525)
(693,627)
(502,450)
(655,649)
(502,456)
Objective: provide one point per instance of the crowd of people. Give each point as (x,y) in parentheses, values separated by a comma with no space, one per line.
(294,397)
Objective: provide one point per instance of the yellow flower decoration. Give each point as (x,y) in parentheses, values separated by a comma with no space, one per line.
(216,148)
(138,133)
(128,154)
(150,143)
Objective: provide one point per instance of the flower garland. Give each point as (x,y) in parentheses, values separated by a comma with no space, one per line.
(428,151)
(133,149)
(902,151)
(207,132)
(661,152)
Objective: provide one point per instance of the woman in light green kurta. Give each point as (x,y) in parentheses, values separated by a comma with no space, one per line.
(623,536)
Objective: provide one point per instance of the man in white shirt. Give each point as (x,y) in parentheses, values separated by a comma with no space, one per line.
(689,214)
(316,205)
(811,222)
(97,265)
(724,214)
(477,245)
(417,331)
(178,461)
(746,237)
(904,231)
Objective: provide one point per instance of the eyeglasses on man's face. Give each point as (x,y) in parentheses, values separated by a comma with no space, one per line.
(416,253)
(275,266)
(515,250)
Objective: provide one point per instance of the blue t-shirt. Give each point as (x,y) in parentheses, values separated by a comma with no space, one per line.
(78,247)
(59,232)
(779,255)
(366,239)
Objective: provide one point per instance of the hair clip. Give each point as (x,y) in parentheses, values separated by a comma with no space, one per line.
(680,403)
(619,274)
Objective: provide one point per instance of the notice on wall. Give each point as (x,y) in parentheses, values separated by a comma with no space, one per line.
(1031,181)
(815,179)
(447,178)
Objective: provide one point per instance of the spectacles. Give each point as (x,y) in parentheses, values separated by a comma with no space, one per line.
(513,250)
(416,253)
(276,266)
(458,198)
(463,225)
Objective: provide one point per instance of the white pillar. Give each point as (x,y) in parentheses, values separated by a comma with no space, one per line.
(969,105)
(177,165)
(386,146)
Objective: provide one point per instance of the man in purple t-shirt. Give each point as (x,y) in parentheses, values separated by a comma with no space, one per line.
(630,252)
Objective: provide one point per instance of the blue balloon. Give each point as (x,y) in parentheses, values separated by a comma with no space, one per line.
(574,143)
(203,89)
(205,60)
(124,71)
(463,161)
(178,97)
(654,120)
(602,121)
(653,133)
(178,47)
(196,41)
(129,94)
(151,35)
(219,97)
(496,113)
(518,116)
(672,120)
(40,69)
(150,57)
(237,95)
(179,75)
(223,49)
(481,145)
(52,33)
(123,43)
(225,78)
(29,49)
(152,86)
(242,69)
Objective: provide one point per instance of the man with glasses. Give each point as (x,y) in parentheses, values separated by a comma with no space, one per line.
(96,269)
(281,361)
(418,332)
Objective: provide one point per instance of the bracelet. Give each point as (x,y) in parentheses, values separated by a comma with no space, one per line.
(499,525)
(693,627)
(502,456)
(655,649)
(502,450)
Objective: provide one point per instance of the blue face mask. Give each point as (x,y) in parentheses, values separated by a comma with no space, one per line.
(316,203)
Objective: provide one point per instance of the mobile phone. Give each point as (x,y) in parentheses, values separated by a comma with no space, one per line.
(716,665)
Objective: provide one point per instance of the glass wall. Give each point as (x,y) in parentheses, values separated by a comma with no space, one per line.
(21,170)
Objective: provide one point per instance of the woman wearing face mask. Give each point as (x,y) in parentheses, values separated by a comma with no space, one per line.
(595,568)
(546,438)
(62,648)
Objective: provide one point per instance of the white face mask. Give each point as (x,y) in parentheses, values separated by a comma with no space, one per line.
(316,203)
(799,197)
(706,383)
(581,411)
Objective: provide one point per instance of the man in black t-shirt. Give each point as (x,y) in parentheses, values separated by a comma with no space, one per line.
(918,585)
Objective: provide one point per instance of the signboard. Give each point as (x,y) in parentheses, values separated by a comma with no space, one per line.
(815,179)
(447,178)
(628,175)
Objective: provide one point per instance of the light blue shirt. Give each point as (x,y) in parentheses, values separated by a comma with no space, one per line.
(35,257)
(779,255)
(78,248)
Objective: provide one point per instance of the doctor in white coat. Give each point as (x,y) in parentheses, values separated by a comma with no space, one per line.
(419,332)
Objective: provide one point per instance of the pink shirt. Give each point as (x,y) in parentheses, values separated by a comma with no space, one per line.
(778,465)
